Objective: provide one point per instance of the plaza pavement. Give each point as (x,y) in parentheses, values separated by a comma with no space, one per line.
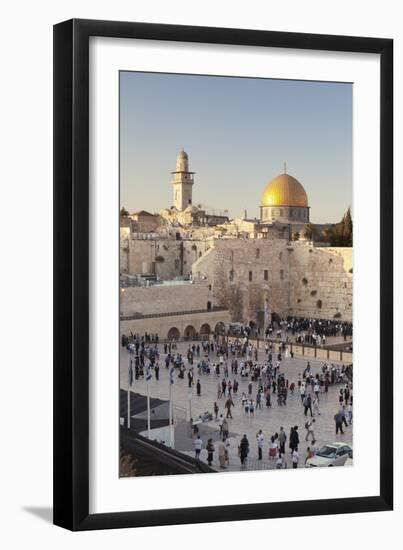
(268,420)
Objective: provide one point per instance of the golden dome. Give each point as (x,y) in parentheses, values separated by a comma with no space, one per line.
(284,190)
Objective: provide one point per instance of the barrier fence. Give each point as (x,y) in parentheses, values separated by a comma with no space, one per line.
(304,350)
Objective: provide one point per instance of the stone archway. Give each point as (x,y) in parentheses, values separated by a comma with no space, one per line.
(205,331)
(275,317)
(219,328)
(189,333)
(173,334)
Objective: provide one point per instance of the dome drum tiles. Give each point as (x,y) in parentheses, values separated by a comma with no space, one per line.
(284,190)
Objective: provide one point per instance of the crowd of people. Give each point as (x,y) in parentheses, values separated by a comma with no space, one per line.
(298,329)
(236,361)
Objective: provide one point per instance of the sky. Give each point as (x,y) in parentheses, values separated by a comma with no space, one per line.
(238,132)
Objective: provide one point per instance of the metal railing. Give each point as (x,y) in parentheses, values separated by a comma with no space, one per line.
(169,313)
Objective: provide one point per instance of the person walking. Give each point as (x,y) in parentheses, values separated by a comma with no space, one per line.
(222,454)
(198,444)
(228,404)
(302,391)
(273,448)
(350,414)
(280,461)
(243,449)
(294,439)
(260,442)
(309,430)
(198,388)
(210,451)
(282,438)
(338,418)
(343,415)
(295,458)
(225,429)
(308,404)
(316,409)
(309,454)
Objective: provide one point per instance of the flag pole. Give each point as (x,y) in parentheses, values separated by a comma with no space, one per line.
(170,412)
(148,411)
(128,393)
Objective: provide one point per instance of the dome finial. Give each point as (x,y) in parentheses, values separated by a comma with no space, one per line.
(285,167)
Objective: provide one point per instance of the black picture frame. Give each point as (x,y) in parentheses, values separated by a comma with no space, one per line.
(71,273)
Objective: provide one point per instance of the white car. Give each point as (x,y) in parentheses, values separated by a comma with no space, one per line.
(333,454)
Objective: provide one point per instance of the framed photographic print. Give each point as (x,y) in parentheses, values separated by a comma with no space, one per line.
(223,316)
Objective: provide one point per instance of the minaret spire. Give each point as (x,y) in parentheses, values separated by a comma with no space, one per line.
(182,182)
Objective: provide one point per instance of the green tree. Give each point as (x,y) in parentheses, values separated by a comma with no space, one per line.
(124,212)
(348,228)
(341,233)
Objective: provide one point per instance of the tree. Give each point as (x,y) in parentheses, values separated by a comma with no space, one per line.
(342,232)
(348,228)
(309,232)
(124,212)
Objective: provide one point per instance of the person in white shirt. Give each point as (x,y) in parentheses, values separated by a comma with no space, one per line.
(198,444)
(280,461)
(273,448)
(260,442)
(295,459)
(316,406)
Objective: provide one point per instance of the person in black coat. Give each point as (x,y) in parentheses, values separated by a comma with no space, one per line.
(294,439)
(243,449)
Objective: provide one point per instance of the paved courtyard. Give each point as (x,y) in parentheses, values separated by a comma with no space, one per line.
(268,420)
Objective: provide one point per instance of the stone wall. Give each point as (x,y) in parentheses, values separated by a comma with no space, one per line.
(296,278)
(165,298)
(321,284)
(201,322)
(166,258)
(243,272)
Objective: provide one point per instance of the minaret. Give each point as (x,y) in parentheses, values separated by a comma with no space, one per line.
(182,182)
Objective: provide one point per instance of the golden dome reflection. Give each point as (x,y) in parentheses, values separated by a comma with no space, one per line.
(284,190)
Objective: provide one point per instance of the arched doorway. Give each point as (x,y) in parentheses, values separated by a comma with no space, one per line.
(219,328)
(190,333)
(275,317)
(173,334)
(205,331)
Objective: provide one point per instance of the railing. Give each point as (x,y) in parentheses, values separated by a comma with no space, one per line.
(169,313)
(252,464)
(304,350)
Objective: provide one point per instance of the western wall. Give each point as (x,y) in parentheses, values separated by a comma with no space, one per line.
(295,277)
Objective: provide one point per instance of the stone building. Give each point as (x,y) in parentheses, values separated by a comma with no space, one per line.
(144,222)
(174,310)
(183,211)
(251,267)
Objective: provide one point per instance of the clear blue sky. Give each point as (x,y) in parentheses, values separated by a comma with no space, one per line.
(237,132)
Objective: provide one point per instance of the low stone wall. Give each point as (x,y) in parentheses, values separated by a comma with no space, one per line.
(186,324)
(165,298)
